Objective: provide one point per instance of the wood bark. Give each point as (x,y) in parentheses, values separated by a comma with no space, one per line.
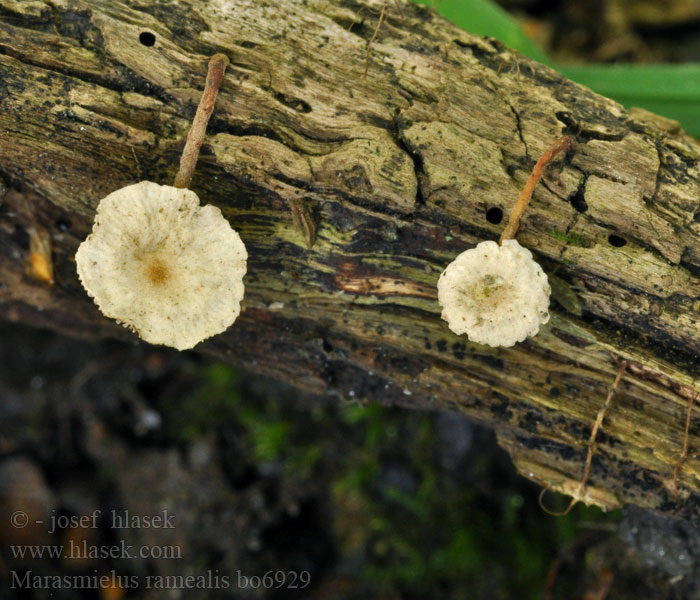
(353,193)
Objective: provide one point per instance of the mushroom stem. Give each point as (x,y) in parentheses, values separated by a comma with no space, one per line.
(563,144)
(195,138)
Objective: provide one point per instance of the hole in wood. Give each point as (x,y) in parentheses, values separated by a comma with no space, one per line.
(616,240)
(296,103)
(494,215)
(20,237)
(578,201)
(147,38)
(62,224)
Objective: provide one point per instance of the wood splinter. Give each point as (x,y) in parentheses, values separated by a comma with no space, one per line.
(39,264)
(305,219)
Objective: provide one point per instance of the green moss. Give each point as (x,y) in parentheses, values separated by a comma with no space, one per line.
(215,401)
(575,239)
(433,537)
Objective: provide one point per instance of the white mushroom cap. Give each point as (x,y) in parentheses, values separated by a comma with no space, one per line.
(163,265)
(497,295)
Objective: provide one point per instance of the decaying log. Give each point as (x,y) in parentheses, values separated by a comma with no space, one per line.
(387,178)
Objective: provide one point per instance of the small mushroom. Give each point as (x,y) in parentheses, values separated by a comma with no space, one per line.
(163,265)
(496,293)
(157,261)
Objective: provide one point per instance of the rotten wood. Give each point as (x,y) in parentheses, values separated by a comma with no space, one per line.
(401,168)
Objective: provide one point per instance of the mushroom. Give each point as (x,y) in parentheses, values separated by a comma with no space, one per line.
(157,261)
(496,293)
(163,265)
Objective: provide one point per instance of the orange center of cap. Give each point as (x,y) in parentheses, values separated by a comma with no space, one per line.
(157,272)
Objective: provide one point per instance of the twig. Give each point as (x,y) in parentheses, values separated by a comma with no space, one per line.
(684,453)
(371,40)
(563,144)
(552,577)
(601,588)
(582,541)
(195,138)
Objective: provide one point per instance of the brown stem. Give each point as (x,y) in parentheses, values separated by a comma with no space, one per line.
(591,447)
(195,138)
(374,35)
(596,426)
(563,144)
(684,453)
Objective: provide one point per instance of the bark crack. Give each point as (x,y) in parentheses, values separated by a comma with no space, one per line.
(136,84)
(419,171)
(516,116)
(581,132)
(569,227)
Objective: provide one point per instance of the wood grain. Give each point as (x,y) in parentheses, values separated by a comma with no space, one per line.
(398,170)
